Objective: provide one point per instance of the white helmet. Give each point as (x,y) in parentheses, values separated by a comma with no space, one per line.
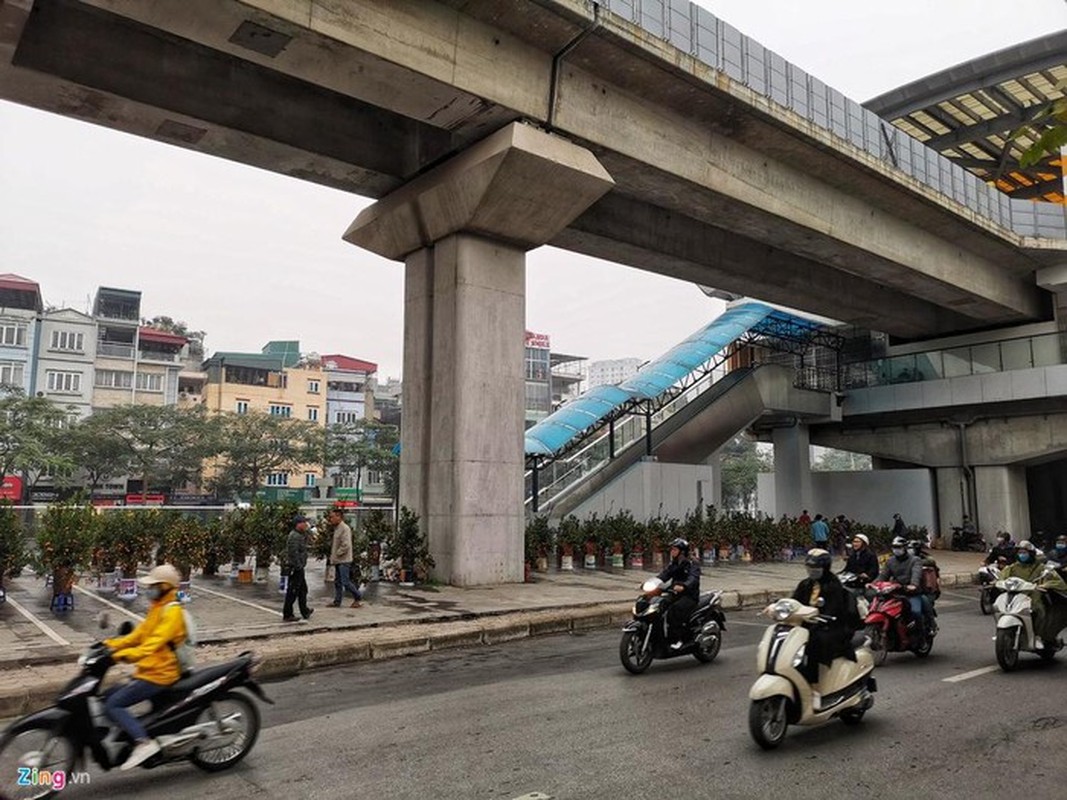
(164,573)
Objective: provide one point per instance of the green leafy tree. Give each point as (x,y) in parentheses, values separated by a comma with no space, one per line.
(30,428)
(741,463)
(1046,130)
(255,444)
(841,461)
(362,445)
(166,445)
(12,547)
(97,452)
(179,328)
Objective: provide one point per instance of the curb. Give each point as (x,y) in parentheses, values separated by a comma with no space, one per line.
(317,649)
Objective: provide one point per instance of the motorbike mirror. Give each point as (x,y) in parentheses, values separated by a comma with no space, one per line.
(103,620)
(126,628)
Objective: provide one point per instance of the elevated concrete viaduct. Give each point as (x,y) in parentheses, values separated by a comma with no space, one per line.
(700,177)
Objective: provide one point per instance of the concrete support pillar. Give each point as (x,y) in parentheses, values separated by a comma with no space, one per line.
(711,492)
(1003,501)
(792,471)
(952,502)
(463,230)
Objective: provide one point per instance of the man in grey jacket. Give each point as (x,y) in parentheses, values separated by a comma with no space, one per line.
(341,556)
(296,556)
(907,570)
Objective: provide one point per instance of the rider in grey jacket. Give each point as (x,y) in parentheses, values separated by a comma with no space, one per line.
(907,570)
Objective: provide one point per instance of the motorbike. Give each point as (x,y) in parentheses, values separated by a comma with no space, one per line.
(782,696)
(858,589)
(988,575)
(207,718)
(1012,611)
(889,626)
(645,638)
(963,539)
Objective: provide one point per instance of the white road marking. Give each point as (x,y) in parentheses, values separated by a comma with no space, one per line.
(974,673)
(108,603)
(238,600)
(534,796)
(51,634)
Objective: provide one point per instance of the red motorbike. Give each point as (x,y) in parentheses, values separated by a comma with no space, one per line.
(889,625)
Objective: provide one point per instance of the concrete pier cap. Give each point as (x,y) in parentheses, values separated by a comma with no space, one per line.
(519,186)
(463,230)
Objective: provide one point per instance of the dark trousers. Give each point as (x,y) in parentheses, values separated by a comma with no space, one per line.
(678,613)
(129,694)
(296,591)
(342,580)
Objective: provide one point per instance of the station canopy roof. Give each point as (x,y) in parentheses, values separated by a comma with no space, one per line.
(969,112)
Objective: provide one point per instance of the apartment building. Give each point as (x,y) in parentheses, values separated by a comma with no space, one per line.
(20,305)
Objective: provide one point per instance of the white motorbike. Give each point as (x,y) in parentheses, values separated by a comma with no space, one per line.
(782,696)
(1012,611)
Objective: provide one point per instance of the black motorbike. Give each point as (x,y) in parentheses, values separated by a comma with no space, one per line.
(967,540)
(207,718)
(645,637)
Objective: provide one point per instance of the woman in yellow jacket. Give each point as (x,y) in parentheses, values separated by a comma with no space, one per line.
(151,647)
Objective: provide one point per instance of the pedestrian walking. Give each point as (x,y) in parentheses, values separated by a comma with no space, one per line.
(296,554)
(341,557)
(820,532)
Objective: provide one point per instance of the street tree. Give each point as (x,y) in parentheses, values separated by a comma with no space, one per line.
(31,432)
(741,462)
(254,445)
(97,451)
(362,445)
(841,461)
(165,445)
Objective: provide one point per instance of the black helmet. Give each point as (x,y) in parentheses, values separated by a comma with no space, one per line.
(916,546)
(817,557)
(680,543)
(899,541)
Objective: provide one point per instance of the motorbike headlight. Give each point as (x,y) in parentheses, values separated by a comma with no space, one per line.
(798,659)
(1013,584)
(782,610)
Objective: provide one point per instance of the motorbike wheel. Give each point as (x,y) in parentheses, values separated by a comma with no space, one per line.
(240,716)
(1047,654)
(37,747)
(767,721)
(923,648)
(985,601)
(635,659)
(1007,649)
(708,649)
(878,647)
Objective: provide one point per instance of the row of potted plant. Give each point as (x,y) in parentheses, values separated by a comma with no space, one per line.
(72,538)
(712,534)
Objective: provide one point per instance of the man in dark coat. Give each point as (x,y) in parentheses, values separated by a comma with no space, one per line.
(296,556)
(823,590)
(684,577)
(862,562)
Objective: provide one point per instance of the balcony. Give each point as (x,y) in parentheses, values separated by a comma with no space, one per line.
(160,356)
(110,350)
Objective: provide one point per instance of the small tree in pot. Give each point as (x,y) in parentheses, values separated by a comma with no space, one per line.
(64,546)
(184,545)
(12,547)
(409,544)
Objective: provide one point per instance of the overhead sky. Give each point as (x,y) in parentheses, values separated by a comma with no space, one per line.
(248,256)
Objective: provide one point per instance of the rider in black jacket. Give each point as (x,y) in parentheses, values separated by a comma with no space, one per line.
(822,589)
(1004,548)
(684,577)
(862,562)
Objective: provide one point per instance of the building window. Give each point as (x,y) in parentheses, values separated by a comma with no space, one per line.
(113,379)
(149,382)
(375,477)
(277,410)
(278,479)
(64,382)
(310,478)
(11,373)
(344,480)
(68,340)
(242,406)
(348,416)
(313,414)
(313,387)
(13,334)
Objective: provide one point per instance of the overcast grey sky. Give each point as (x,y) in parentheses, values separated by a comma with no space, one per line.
(248,256)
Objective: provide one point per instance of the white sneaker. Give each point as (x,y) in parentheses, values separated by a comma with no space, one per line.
(677,645)
(141,753)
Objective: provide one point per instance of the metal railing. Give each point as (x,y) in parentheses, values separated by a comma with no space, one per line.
(114,350)
(977,359)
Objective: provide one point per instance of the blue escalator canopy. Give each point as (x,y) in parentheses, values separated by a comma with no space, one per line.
(556,431)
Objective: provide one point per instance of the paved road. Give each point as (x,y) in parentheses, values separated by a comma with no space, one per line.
(559,716)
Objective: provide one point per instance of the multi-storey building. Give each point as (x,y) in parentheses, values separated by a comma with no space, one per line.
(350,385)
(612,371)
(276,381)
(66,353)
(20,305)
(134,364)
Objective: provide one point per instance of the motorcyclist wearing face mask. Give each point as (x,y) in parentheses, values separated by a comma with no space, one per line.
(823,590)
(1049,612)
(151,647)
(905,569)
(1058,553)
(1002,549)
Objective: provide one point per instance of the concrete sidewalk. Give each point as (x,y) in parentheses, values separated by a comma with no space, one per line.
(393,621)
